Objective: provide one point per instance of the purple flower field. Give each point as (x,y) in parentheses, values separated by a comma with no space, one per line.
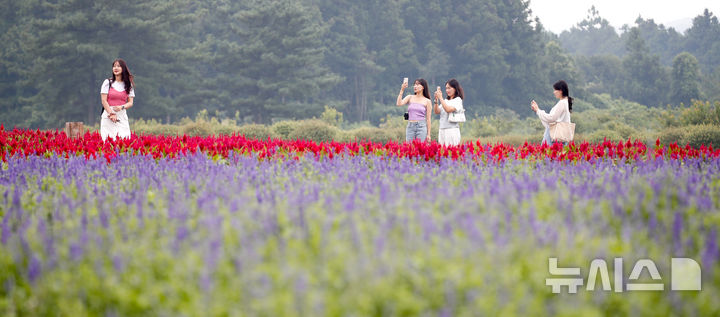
(358,236)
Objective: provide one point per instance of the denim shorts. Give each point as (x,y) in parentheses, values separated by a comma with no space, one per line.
(416,130)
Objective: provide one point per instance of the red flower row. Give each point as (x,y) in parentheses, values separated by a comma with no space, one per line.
(46,143)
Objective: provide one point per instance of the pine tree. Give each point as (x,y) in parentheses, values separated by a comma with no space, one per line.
(685,79)
(75,44)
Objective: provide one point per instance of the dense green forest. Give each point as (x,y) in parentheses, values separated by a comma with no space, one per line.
(264,61)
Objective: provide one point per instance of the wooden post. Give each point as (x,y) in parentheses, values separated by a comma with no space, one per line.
(74,129)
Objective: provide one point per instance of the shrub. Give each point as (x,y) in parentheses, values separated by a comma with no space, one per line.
(256,131)
(314,130)
(602,135)
(623,129)
(197,128)
(332,117)
(673,135)
(344,136)
(393,121)
(510,139)
(703,135)
(377,135)
(701,113)
(224,129)
(398,134)
(283,128)
(482,127)
(162,129)
(589,121)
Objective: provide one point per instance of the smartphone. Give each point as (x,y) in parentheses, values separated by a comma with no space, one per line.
(438,88)
(405,80)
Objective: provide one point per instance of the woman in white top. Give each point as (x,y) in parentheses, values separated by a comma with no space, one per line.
(449,132)
(559,113)
(116,95)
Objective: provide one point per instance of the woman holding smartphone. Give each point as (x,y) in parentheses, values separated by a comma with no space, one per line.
(449,132)
(559,113)
(419,108)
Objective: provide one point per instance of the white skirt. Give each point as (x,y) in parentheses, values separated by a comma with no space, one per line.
(111,129)
(449,136)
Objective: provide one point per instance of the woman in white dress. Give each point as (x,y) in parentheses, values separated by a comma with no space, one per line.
(449,132)
(116,94)
(559,113)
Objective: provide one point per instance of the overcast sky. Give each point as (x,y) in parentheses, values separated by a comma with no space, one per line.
(560,15)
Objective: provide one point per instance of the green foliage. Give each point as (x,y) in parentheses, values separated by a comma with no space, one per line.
(256,131)
(592,36)
(685,79)
(651,48)
(378,135)
(283,128)
(503,122)
(482,127)
(74,44)
(601,135)
(263,60)
(623,130)
(510,139)
(314,130)
(698,135)
(561,66)
(702,39)
(673,135)
(332,117)
(700,112)
(646,81)
(198,128)
(694,135)
(152,126)
(277,37)
(601,73)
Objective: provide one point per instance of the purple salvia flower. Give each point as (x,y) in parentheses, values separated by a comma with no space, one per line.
(711,254)
(5,234)
(34,268)
(118,263)
(677,234)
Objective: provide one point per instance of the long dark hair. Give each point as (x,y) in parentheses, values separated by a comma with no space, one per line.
(125,75)
(458,89)
(563,87)
(423,83)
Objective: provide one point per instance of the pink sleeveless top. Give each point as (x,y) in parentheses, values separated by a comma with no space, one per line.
(416,111)
(116,97)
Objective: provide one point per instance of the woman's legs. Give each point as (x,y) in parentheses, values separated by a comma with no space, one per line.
(546,137)
(422,130)
(416,130)
(410,132)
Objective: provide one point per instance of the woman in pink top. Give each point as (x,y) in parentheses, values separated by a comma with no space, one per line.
(418,127)
(116,94)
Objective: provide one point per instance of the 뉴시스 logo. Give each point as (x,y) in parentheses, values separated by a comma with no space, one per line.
(685,276)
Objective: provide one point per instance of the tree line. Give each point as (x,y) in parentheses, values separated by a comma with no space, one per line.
(267,60)
(647,63)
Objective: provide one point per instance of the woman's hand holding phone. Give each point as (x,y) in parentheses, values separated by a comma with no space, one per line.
(534,106)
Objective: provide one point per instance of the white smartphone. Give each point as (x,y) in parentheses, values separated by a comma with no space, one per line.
(405,80)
